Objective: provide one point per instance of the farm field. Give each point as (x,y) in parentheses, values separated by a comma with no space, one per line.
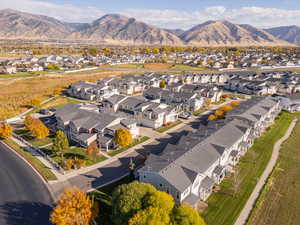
(15,95)
(282,189)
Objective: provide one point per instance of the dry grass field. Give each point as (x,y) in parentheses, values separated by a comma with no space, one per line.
(279,202)
(157,66)
(15,94)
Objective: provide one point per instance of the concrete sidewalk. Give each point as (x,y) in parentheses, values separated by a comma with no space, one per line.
(245,213)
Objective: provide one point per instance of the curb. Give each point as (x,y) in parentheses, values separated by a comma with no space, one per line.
(33,168)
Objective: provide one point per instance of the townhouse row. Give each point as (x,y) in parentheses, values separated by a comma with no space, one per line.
(200,160)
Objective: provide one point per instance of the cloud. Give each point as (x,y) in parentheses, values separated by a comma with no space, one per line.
(65,12)
(257,16)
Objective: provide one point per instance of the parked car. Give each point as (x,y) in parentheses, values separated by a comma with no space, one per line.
(185,115)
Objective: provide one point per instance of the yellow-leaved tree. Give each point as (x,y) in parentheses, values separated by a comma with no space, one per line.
(73,208)
(123,137)
(39,130)
(5,130)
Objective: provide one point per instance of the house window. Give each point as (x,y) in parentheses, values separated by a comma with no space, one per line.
(177,195)
(144,176)
(160,185)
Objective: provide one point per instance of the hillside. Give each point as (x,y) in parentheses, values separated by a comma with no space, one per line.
(288,33)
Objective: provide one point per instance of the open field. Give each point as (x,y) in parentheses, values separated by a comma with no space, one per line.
(282,189)
(37,164)
(225,205)
(157,66)
(15,95)
(189,68)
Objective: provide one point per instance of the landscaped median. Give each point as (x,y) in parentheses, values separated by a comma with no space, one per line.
(164,128)
(37,164)
(123,149)
(225,205)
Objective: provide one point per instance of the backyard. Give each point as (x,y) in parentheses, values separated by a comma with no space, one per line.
(282,188)
(164,128)
(225,205)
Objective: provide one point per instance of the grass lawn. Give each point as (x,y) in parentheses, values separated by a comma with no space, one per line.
(282,188)
(199,111)
(103,197)
(125,66)
(164,128)
(74,152)
(123,149)
(25,134)
(37,164)
(224,206)
(219,102)
(21,74)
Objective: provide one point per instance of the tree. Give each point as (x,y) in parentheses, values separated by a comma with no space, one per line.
(93,51)
(127,200)
(57,91)
(212,117)
(53,67)
(225,108)
(123,137)
(73,208)
(186,215)
(5,130)
(93,150)
(29,120)
(219,114)
(35,102)
(150,216)
(162,84)
(60,144)
(39,130)
(235,103)
(160,200)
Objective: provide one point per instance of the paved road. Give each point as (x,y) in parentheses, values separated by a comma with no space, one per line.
(24,198)
(241,220)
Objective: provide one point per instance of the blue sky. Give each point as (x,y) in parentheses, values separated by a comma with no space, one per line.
(168,14)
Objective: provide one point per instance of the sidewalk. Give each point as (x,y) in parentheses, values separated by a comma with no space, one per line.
(241,220)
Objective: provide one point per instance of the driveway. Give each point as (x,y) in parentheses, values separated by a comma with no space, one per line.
(24,198)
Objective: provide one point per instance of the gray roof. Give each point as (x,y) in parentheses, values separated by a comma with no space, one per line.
(115,99)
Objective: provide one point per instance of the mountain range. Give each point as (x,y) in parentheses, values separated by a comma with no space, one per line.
(121,30)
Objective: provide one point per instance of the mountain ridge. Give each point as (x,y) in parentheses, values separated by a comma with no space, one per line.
(121,30)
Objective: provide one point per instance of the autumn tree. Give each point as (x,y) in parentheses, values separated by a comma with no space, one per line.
(219,114)
(225,108)
(5,130)
(35,102)
(235,103)
(212,117)
(93,150)
(162,84)
(150,216)
(186,215)
(57,91)
(73,208)
(39,130)
(123,137)
(28,122)
(60,143)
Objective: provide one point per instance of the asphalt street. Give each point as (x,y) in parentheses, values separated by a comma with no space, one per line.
(24,198)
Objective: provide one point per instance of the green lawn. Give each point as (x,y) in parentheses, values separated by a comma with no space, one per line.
(165,128)
(20,74)
(199,111)
(74,152)
(123,149)
(282,188)
(37,164)
(224,206)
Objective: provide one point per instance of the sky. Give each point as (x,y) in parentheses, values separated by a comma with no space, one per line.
(171,14)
